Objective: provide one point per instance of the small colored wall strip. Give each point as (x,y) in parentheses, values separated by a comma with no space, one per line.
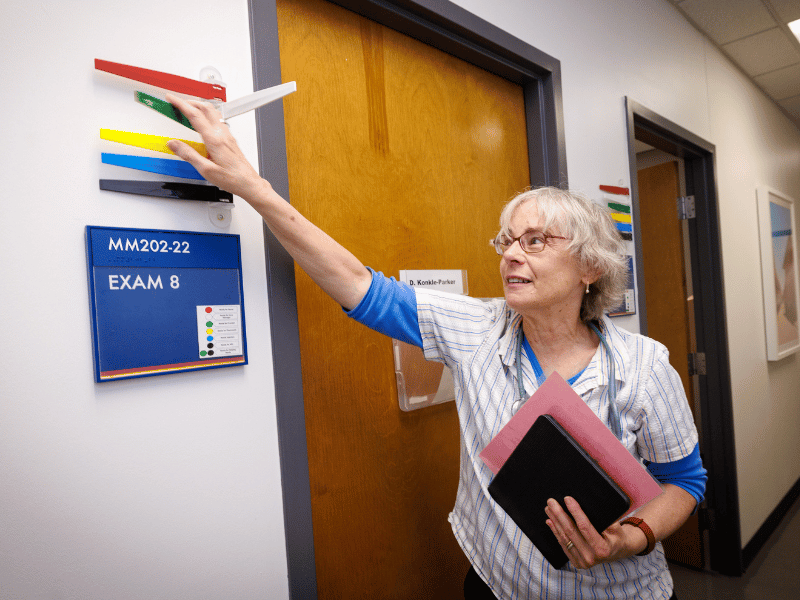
(613,189)
(162,166)
(620,212)
(175,83)
(160,369)
(620,218)
(168,189)
(147,141)
(163,107)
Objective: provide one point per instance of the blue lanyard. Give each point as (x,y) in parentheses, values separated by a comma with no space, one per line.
(613,410)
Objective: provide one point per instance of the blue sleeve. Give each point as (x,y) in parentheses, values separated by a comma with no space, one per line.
(390,308)
(687,473)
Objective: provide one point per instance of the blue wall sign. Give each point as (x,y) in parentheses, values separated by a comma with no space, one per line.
(164,301)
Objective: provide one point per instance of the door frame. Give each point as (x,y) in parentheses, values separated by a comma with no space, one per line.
(453,30)
(720,517)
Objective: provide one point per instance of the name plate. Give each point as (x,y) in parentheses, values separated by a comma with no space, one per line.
(164,301)
(448,280)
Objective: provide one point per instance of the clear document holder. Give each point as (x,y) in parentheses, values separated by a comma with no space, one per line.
(422,383)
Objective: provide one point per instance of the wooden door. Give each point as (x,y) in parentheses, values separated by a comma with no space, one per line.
(405,155)
(670,307)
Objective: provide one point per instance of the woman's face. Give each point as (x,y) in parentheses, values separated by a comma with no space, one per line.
(548,282)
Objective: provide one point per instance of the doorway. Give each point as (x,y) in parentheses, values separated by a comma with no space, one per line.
(458,33)
(669,299)
(684,291)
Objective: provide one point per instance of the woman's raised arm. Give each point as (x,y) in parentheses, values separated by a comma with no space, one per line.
(340,274)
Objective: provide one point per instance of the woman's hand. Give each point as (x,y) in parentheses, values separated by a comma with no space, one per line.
(583,544)
(664,514)
(226,166)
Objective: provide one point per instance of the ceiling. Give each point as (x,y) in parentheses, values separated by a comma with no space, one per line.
(754,34)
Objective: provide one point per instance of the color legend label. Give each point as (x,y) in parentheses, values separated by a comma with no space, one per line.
(219,330)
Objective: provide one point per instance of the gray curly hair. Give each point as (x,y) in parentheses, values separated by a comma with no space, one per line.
(593,240)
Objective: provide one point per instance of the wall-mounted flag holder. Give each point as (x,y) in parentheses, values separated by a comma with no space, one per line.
(620,209)
(164,107)
(230,109)
(167,81)
(158,143)
(213,90)
(256,100)
(162,166)
(168,189)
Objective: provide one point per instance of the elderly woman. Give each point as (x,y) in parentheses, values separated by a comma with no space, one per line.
(562,267)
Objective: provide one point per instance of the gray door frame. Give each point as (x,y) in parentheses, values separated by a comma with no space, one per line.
(720,515)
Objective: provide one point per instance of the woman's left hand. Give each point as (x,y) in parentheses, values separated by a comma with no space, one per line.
(583,544)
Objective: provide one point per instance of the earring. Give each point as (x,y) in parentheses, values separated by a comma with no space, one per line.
(587,288)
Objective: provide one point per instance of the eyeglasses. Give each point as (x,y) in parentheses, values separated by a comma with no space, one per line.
(530,242)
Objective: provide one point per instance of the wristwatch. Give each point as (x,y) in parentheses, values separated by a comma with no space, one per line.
(648,533)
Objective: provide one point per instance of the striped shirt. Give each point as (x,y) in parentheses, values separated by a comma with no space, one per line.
(477,340)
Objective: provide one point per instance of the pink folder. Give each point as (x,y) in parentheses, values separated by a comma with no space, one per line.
(555,397)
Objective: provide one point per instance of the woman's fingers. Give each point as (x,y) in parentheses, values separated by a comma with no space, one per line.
(200,114)
(566,544)
(187,153)
(226,166)
(564,529)
(587,530)
(582,543)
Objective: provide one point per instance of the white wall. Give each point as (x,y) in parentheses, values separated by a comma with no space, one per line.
(644,49)
(169,487)
(163,487)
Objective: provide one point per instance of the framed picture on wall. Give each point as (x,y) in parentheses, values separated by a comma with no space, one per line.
(778,237)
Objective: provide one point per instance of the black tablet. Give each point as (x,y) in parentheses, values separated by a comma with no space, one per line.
(546,464)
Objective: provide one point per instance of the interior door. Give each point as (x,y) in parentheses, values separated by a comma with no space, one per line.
(405,155)
(670,307)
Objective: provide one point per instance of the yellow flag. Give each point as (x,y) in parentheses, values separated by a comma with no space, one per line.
(150,142)
(620,218)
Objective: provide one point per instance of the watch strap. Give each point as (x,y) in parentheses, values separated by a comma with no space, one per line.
(645,528)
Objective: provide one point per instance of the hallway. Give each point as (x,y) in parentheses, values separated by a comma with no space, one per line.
(773,575)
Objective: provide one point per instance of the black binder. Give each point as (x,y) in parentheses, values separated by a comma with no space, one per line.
(546,464)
